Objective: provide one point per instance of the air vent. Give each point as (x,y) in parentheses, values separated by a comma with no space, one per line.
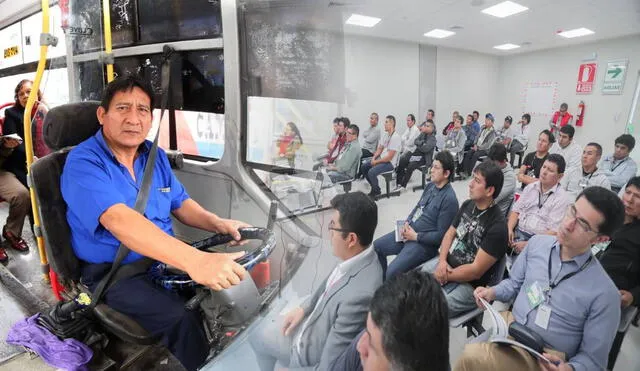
(455,28)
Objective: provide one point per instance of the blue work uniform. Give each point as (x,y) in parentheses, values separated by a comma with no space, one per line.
(92,181)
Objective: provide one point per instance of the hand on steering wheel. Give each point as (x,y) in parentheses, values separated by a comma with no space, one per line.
(217,271)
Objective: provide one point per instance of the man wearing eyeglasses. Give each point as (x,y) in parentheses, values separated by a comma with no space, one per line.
(540,208)
(313,335)
(561,293)
(346,165)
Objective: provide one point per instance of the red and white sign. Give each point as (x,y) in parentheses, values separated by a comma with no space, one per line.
(586,77)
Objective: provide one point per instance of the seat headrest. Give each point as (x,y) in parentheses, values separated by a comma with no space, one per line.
(70,124)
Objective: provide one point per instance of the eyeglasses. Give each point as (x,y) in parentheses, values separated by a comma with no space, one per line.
(332,228)
(573,214)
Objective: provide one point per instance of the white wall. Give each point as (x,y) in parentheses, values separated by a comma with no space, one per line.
(465,81)
(380,76)
(605,115)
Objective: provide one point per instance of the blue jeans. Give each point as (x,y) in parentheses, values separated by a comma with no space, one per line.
(459,298)
(409,254)
(337,176)
(371,173)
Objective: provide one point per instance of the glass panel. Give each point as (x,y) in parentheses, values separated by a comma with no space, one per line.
(85,25)
(11,46)
(31,29)
(168,20)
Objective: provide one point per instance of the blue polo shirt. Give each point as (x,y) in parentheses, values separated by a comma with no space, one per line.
(93,180)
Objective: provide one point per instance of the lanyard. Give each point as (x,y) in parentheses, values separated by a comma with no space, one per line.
(542,201)
(619,163)
(386,144)
(553,285)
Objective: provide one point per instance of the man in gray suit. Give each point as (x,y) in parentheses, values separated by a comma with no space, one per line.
(315,333)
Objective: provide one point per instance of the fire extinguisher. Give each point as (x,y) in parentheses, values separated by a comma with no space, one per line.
(580,114)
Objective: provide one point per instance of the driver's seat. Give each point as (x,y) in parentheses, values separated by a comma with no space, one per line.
(64,127)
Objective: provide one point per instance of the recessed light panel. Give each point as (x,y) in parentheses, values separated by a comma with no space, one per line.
(506,46)
(439,34)
(505,9)
(362,20)
(569,34)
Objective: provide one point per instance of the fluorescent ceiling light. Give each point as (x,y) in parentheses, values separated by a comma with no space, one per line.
(363,20)
(505,9)
(439,34)
(576,33)
(506,46)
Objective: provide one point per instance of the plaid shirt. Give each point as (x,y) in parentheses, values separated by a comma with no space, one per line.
(540,213)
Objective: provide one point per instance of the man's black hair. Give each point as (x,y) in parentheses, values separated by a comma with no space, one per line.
(609,205)
(337,120)
(527,117)
(412,314)
(476,113)
(492,175)
(413,118)
(564,105)
(557,159)
(358,214)
(447,161)
(597,146)
(569,130)
(626,140)
(345,122)
(635,181)
(393,119)
(355,128)
(549,134)
(498,152)
(433,113)
(125,83)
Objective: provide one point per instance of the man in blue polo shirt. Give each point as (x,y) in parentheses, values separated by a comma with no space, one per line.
(100,182)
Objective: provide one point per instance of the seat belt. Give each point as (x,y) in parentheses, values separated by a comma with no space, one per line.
(143,194)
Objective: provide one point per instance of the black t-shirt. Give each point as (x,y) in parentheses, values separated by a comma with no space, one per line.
(533,164)
(485,229)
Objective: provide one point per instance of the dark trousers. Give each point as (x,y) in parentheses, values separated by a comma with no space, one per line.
(470,159)
(516,147)
(409,254)
(157,310)
(408,172)
(366,153)
(403,162)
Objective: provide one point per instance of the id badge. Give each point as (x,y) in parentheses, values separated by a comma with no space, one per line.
(583,183)
(543,316)
(417,215)
(535,295)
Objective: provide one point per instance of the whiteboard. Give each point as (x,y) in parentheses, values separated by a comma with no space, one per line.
(539,98)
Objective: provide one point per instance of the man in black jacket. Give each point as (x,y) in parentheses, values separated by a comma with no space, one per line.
(621,257)
(423,155)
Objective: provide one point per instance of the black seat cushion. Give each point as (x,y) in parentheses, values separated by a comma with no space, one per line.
(122,326)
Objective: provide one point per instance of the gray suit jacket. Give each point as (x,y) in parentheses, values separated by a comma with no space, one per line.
(340,318)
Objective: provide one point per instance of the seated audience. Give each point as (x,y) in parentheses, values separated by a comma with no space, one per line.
(338,140)
(421,155)
(289,143)
(314,334)
(471,130)
(426,224)
(541,206)
(567,148)
(621,258)
(408,145)
(520,137)
(587,175)
(454,142)
(498,154)
(407,329)
(385,158)
(561,293)
(370,136)
(484,140)
(506,133)
(619,167)
(431,115)
(561,118)
(346,165)
(530,170)
(476,118)
(475,242)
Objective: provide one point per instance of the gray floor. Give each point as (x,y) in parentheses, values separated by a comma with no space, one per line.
(238,355)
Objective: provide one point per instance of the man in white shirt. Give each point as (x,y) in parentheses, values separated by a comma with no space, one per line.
(408,139)
(567,148)
(520,137)
(386,157)
(506,132)
(619,167)
(587,175)
(313,335)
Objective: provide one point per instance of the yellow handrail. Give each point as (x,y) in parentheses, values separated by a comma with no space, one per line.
(28,140)
(106,12)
